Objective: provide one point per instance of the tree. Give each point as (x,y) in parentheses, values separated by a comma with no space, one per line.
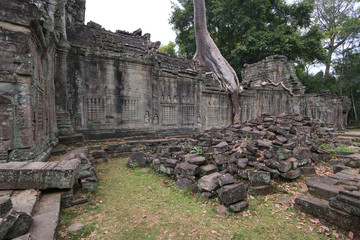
(169,48)
(339,22)
(208,54)
(249,30)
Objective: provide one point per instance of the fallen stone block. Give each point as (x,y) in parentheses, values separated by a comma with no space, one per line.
(302,153)
(221,147)
(46,217)
(291,175)
(352,160)
(15,224)
(226,180)
(209,182)
(5,205)
(171,163)
(25,201)
(239,206)
(136,160)
(258,178)
(39,175)
(232,193)
(339,168)
(184,183)
(345,203)
(308,171)
(185,169)
(166,170)
(262,190)
(208,169)
(197,160)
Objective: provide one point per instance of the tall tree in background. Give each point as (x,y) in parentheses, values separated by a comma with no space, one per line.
(338,20)
(208,54)
(249,30)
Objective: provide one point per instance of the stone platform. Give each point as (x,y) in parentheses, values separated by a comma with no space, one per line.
(335,199)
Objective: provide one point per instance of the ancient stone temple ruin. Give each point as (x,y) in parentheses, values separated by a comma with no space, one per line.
(61,77)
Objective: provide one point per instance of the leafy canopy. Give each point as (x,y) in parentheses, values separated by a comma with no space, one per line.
(249,30)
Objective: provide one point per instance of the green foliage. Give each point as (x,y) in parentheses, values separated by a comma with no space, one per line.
(247,31)
(197,151)
(169,48)
(335,151)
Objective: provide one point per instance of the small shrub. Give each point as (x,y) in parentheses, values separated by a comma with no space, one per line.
(197,151)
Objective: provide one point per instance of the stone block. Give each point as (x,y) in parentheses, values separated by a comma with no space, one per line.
(302,153)
(39,175)
(352,160)
(185,169)
(263,144)
(262,190)
(170,163)
(242,162)
(184,183)
(15,224)
(232,193)
(208,169)
(197,160)
(317,187)
(136,159)
(209,182)
(226,180)
(166,170)
(25,201)
(258,178)
(292,174)
(308,171)
(5,205)
(239,206)
(221,148)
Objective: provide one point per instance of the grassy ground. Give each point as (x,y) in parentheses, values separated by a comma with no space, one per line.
(131,204)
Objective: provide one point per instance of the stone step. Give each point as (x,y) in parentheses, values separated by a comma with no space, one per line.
(39,175)
(45,220)
(25,201)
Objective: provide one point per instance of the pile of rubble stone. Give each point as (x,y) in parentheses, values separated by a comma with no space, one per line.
(245,155)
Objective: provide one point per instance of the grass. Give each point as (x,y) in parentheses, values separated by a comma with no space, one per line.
(130,204)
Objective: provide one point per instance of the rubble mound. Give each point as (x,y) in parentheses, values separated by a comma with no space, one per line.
(225,161)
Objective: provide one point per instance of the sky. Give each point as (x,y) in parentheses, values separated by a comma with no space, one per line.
(152,16)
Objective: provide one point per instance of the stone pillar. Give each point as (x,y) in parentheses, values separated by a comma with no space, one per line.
(63,115)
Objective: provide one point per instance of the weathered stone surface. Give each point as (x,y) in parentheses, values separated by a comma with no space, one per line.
(46,218)
(24,237)
(352,160)
(209,182)
(184,183)
(24,201)
(59,150)
(197,161)
(136,159)
(293,174)
(226,180)
(263,144)
(5,205)
(232,193)
(75,228)
(302,153)
(258,178)
(308,171)
(221,210)
(239,206)
(39,175)
(221,147)
(262,190)
(322,187)
(15,224)
(208,169)
(186,170)
(166,170)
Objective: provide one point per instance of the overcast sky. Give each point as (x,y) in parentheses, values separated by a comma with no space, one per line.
(152,16)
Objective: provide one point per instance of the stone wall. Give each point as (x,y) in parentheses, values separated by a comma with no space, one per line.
(61,77)
(271,86)
(27,116)
(118,84)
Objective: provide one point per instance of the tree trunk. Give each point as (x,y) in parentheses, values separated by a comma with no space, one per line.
(208,54)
